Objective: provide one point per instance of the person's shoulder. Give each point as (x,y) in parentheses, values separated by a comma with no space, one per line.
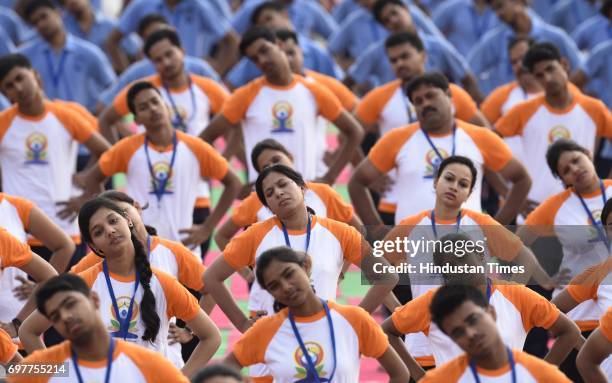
(53,354)
(448,372)
(541,370)
(356,17)
(34,45)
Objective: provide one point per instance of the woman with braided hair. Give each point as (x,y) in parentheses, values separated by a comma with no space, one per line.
(136,300)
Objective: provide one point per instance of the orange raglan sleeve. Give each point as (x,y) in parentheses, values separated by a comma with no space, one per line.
(7,347)
(23,207)
(372,104)
(491,107)
(344,94)
(502,243)
(513,122)
(245,214)
(448,372)
(495,152)
(541,370)
(12,251)
(6,119)
(465,106)
(373,341)
(212,163)
(351,241)
(605,324)
(153,366)
(328,104)
(53,355)
(179,301)
(541,220)
(414,316)
(337,209)
(384,153)
(190,268)
(600,115)
(116,159)
(86,262)
(240,251)
(216,94)
(584,286)
(89,275)
(251,348)
(536,311)
(82,112)
(120,102)
(81,129)
(237,104)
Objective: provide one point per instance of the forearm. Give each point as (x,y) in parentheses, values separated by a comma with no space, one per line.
(61,258)
(533,269)
(363,203)
(345,154)
(227,198)
(118,60)
(471,86)
(203,352)
(30,333)
(564,343)
(207,303)
(416,371)
(514,201)
(226,303)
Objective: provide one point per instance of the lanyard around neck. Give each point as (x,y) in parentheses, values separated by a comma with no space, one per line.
(432,218)
(510,360)
(124,323)
(109,362)
(435,149)
(159,185)
(311,368)
(599,226)
(308,229)
(178,122)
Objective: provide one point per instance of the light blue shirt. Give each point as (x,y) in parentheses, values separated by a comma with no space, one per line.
(374,65)
(344,9)
(12,24)
(145,67)
(462,24)
(4,103)
(6,45)
(568,14)
(222,7)
(306,16)
(489,58)
(543,7)
(593,31)
(315,58)
(194,20)
(79,72)
(100,29)
(598,68)
(360,30)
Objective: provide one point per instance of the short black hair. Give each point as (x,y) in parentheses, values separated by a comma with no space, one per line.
(435,79)
(268,143)
(255,33)
(381,4)
(606,8)
(449,297)
(540,52)
(59,283)
(268,5)
(33,5)
(159,35)
(214,371)
(136,88)
(520,39)
(557,148)
(150,19)
(459,160)
(606,211)
(286,34)
(11,61)
(405,38)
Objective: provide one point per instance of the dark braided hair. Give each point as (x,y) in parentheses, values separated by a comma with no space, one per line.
(141,262)
(118,196)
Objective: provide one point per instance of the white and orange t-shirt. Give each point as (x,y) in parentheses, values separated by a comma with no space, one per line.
(7,347)
(502,99)
(13,253)
(518,309)
(539,125)
(322,198)
(529,369)
(286,113)
(194,160)
(38,156)
(407,150)
(171,300)
(331,243)
(131,363)
(15,218)
(168,256)
(390,108)
(593,286)
(271,341)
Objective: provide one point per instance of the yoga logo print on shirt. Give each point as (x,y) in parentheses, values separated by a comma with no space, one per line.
(282,113)
(317,355)
(163,173)
(558,131)
(123,303)
(432,161)
(36,149)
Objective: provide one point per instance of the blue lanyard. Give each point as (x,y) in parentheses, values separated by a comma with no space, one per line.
(148,246)
(510,360)
(599,226)
(313,374)
(56,75)
(124,324)
(178,121)
(159,185)
(308,227)
(109,362)
(432,217)
(407,105)
(435,149)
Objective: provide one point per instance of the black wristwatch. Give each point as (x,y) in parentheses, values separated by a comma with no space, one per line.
(16,323)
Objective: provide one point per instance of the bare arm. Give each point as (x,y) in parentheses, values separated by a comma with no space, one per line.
(353,134)
(564,301)
(480,120)
(226,54)
(106,121)
(97,145)
(470,84)
(225,233)
(113,49)
(53,238)
(217,128)
(365,174)
(580,79)
(516,173)
(567,334)
(231,361)
(382,284)
(391,362)
(40,270)
(93,180)
(31,331)
(210,340)
(416,371)
(595,350)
